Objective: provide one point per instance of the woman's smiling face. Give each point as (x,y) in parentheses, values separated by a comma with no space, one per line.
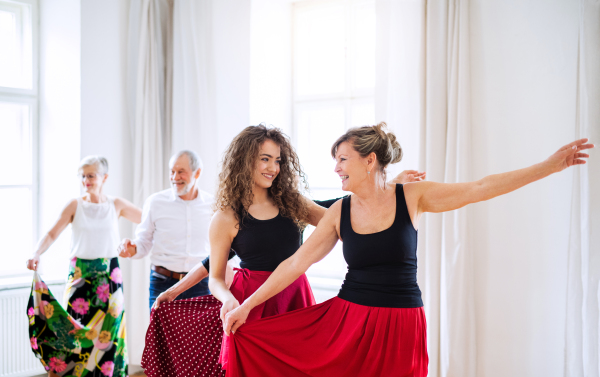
(350,166)
(267,165)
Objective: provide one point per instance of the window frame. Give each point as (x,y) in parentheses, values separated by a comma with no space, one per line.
(348,98)
(29,97)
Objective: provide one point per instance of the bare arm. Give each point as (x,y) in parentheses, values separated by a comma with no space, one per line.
(318,245)
(192,278)
(441,197)
(128,210)
(141,245)
(315,211)
(66,217)
(222,231)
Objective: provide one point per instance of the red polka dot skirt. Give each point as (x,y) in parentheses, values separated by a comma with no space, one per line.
(185,337)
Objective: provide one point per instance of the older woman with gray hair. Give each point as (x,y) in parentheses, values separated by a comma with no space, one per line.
(87,335)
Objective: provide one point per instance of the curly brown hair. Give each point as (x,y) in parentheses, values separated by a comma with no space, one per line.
(236,178)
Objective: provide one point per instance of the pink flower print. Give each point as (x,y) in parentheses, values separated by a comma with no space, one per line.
(30,311)
(57,364)
(115,276)
(81,306)
(102,292)
(74,262)
(40,285)
(33,341)
(107,368)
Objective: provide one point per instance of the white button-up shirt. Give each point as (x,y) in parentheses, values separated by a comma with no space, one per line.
(174,231)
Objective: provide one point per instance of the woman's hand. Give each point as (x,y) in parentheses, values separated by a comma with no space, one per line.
(166,296)
(33,263)
(569,155)
(228,306)
(409,176)
(235,318)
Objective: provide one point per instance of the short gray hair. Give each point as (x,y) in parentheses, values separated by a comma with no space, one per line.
(99,162)
(194,159)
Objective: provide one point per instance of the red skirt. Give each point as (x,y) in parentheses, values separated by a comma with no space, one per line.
(185,336)
(335,338)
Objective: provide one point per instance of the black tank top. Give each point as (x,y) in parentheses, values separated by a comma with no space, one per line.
(382,266)
(263,244)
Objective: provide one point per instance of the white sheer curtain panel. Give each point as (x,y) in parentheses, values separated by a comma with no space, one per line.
(149,72)
(423,91)
(211,78)
(582,350)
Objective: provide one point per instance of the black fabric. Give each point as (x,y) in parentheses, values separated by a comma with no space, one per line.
(322,203)
(382,266)
(263,244)
(328,203)
(206,261)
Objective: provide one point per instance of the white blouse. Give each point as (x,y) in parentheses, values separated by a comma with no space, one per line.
(95,230)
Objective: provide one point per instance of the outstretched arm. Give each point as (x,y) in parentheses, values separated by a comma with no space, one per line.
(442,197)
(318,245)
(65,218)
(128,210)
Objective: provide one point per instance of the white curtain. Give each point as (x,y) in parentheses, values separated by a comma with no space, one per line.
(149,72)
(423,91)
(211,78)
(582,351)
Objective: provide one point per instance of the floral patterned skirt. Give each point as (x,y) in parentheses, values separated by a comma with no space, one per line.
(87,338)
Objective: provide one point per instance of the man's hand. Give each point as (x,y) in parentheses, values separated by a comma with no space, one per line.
(408,176)
(127,248)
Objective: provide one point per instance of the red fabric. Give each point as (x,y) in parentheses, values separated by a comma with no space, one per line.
(245,282)
(335,338)
(185,336)
(184,339)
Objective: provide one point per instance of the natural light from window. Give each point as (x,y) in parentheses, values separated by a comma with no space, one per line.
(334,80)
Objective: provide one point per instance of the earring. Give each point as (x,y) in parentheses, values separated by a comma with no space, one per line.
(369,172)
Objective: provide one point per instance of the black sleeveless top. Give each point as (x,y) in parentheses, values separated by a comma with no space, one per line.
(263,244)
(382,266)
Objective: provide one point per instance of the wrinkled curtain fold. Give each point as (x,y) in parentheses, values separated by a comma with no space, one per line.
(149,89)
(582,350)
(423,91)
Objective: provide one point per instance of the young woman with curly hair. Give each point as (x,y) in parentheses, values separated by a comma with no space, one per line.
(260,213)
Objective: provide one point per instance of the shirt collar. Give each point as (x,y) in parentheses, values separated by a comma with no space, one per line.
(175,197)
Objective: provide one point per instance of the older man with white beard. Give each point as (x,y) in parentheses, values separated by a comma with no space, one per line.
(174,230)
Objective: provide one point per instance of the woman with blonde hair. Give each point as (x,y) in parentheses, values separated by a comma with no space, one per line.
(376,325)
(260,214)
(87,336)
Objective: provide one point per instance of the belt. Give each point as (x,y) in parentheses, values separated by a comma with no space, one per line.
(168,273)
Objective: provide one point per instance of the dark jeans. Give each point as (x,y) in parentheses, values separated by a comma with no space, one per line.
(160,283)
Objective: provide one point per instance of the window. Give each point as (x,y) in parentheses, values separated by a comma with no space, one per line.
(334,81)
(18,133)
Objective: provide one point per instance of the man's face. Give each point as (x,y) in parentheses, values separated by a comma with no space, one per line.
(182,176)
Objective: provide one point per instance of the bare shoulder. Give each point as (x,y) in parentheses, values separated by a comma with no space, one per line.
(334,212)
(414,190)
(70,209)
(224,219)
(223,225)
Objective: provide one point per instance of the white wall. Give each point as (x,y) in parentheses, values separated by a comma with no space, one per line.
(59,121)
(523,59)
